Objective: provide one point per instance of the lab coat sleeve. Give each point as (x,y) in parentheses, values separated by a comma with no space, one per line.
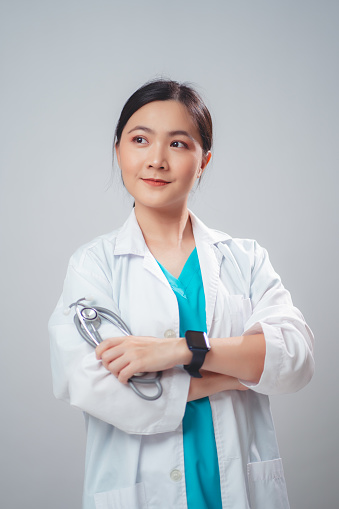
(81,380)
(289,361)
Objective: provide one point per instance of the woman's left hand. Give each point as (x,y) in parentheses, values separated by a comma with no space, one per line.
(127,355)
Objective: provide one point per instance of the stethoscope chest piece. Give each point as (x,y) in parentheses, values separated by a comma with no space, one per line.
(91,315)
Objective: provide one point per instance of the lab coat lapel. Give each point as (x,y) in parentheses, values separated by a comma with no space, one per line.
(210,259)
(152,266)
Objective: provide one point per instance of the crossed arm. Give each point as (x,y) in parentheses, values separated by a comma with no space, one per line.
(229,360)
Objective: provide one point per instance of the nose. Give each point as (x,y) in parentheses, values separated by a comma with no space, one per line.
(157,157)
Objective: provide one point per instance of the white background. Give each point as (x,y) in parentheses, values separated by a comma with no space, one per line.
(268,71)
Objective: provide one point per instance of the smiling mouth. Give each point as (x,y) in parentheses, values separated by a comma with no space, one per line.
(156,182)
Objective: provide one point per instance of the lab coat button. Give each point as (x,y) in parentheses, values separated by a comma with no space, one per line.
(169,333)
(176,475)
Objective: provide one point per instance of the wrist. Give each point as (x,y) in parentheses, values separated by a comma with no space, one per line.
(183,352)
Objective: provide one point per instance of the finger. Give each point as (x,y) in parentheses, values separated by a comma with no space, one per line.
(118,365)
(126,373)
(118,359)
(107,344)
(111,355)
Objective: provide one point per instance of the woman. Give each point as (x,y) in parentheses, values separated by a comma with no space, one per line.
(206,443)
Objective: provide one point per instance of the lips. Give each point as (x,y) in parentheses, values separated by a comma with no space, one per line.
(156,182)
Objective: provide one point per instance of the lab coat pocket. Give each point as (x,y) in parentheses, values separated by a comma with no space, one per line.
(126,498)
(267,487)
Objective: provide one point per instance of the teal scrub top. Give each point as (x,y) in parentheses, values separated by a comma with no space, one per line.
(200,452)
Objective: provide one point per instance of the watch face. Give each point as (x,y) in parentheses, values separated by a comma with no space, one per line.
(197,339)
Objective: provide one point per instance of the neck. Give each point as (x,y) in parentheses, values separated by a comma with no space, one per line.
(171,227)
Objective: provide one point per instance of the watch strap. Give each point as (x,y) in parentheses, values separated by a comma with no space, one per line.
(197,361)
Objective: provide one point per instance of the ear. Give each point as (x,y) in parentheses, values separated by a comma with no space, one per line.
(205,160)
(117,152)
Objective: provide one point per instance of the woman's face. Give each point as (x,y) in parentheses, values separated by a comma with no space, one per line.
(160,155)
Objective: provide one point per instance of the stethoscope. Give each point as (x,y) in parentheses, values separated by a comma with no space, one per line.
(88,320)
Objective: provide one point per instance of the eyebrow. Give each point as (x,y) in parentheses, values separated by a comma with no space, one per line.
(171,133)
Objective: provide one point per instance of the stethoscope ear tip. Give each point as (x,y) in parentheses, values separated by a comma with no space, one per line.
(68,310)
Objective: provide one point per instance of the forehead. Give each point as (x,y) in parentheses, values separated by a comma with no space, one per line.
(164,116)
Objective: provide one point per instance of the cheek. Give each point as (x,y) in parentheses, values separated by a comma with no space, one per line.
(191,169)
(129,163)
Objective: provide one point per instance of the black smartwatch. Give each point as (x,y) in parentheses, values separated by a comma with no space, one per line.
(199,345)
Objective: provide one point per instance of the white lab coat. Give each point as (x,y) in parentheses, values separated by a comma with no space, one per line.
(134,454)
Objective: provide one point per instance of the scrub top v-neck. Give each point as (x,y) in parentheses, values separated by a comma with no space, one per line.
(200,452)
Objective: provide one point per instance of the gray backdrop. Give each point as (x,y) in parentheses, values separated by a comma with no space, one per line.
(269,73)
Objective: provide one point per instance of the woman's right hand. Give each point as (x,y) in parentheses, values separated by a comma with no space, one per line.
(212,383)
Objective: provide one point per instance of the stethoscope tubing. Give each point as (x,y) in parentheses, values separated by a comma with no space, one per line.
(90,334)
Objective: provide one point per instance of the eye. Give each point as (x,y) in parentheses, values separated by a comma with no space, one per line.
(179,144)
(140,140)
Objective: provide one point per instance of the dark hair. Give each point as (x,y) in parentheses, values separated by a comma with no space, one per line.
(165,90)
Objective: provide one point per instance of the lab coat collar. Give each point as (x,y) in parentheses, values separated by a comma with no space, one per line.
(205,234)
(130,239)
